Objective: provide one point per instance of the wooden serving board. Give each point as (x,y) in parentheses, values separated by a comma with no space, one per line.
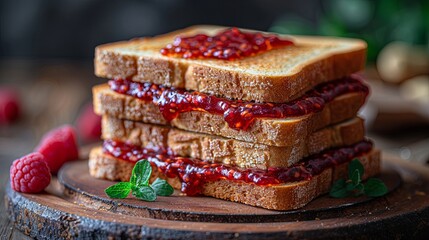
(86,190)
(75,206)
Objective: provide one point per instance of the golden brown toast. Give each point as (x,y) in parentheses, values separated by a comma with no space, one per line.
(229,151)
(278,197)
(273,132)
(278,75)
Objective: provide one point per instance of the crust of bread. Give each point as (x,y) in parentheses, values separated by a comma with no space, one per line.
(278,197)
(273,132)
(229,151)
(275,76)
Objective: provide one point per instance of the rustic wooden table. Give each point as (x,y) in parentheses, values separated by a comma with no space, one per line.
(52,93)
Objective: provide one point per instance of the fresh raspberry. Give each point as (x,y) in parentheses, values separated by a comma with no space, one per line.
(9,106)
(89,124)
(59,146)
(30,174)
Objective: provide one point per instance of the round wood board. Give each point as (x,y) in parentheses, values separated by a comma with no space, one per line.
(86,190)
(75,206)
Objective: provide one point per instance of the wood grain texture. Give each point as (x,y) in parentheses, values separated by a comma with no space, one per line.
(46,88)
(5,229)
(401,214)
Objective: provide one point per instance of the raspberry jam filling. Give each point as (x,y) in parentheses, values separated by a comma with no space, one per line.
(238,114)
(229,44)
(193,173)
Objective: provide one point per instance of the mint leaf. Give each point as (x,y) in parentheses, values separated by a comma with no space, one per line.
(350,186)
(145,193)
(139,184)
(355,177)
(162,188)
(353,186)
(375,188)
(354,165)
(338,189)
(119,190)
(141,174)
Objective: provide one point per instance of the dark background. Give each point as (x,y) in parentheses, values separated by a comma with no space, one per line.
(72,28)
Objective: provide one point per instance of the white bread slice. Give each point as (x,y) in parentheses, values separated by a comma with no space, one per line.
(278,75)
(229,151)
(278,197)
(273,132)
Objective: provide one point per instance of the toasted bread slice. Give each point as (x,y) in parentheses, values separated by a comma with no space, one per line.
(229,151)
(273,132)
(278,197)
(278,75)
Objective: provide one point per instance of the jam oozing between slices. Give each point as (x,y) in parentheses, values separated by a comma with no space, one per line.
(194,173)
(229,44)
(238,114)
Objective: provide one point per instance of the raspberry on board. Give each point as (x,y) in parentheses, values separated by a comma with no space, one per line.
(59,146)
(9,106)
(88,124)
(30,174)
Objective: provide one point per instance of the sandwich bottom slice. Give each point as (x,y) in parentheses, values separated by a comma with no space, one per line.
(276,188)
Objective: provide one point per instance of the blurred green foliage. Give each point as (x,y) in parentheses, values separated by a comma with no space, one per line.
(378,22)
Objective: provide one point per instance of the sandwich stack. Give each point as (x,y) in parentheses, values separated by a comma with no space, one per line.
(240,115)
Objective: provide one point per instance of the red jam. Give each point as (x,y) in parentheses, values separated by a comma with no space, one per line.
(193,173)
(238,114)
(230,44)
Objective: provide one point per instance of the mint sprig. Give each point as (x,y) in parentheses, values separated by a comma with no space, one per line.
(139,185)
(354,187)
(162,188)
(145,193)
(141,174)
(119,190)
(375,188)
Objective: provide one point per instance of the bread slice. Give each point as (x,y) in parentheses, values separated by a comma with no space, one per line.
(273,132)
(229,151)
(278,197)
(278,75)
